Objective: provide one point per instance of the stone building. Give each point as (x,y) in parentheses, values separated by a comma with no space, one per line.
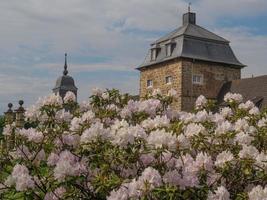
(65,83)
(191,60)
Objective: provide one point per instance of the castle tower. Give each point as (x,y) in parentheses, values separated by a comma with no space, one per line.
(65,83)
(191,60)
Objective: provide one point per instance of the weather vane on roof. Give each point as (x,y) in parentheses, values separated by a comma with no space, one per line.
(189,7)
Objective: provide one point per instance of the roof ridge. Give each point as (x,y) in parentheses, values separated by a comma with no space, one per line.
(170,34)
(255,77)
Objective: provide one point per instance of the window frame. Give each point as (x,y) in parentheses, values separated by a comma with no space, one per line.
(195,77)
(169,47)
(149,85)
(154,53)
(168,80)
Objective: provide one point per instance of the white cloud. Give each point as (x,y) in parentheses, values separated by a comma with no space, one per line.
(249,48)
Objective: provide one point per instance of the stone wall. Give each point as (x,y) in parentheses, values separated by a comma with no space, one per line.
(157,74)
(214,76)
(182,70)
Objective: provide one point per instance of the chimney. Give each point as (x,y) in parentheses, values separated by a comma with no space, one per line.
(189,18)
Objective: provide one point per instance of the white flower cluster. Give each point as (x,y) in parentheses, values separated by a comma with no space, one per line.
(66,165)
(51,100)
(56,194)
(262,122)
(77,122)
(223,158)
(63,116)
(122,133)
(7,131)
(115,148)
(96,131)
(69,97)
(97,91)
(156,92)
(32,135)
(233,97)
(201,102)
(221,193)
(172,93)
(246,106)
(21,178)
(150,106)
(193,129)
(33,113)
(157,122)
(149,179)
(258,193)
(161,138)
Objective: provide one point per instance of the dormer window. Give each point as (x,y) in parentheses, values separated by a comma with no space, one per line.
(154,52)
(169,48)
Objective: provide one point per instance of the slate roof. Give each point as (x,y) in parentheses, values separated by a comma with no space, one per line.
(195,42)
(192,30)
(254,89)
(65,82)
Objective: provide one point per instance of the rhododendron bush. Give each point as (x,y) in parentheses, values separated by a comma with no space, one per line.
(116,148)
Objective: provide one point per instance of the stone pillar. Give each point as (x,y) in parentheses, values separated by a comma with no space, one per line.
(20,118)
(9,119)
(9,115)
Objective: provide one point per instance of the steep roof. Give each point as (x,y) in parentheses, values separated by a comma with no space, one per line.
(192,30)
(195,42)
(254,89)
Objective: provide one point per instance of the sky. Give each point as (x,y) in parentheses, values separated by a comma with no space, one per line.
(107,39)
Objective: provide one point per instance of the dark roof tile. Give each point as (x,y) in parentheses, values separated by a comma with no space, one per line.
(254,89)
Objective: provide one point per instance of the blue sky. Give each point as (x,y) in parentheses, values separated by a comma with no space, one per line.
(105,40)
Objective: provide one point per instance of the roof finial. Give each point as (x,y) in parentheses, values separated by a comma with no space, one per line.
(65,72)
(189,7)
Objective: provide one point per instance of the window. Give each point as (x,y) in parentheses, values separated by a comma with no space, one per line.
(149,83)
(153,54)
(168,79)
(197,79)
(168,49)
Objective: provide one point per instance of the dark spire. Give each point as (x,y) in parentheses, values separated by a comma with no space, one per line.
(65,72)
(189,7)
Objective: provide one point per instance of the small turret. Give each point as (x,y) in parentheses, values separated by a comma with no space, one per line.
(65,83)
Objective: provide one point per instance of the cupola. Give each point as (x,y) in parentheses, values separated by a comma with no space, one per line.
(65,83)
